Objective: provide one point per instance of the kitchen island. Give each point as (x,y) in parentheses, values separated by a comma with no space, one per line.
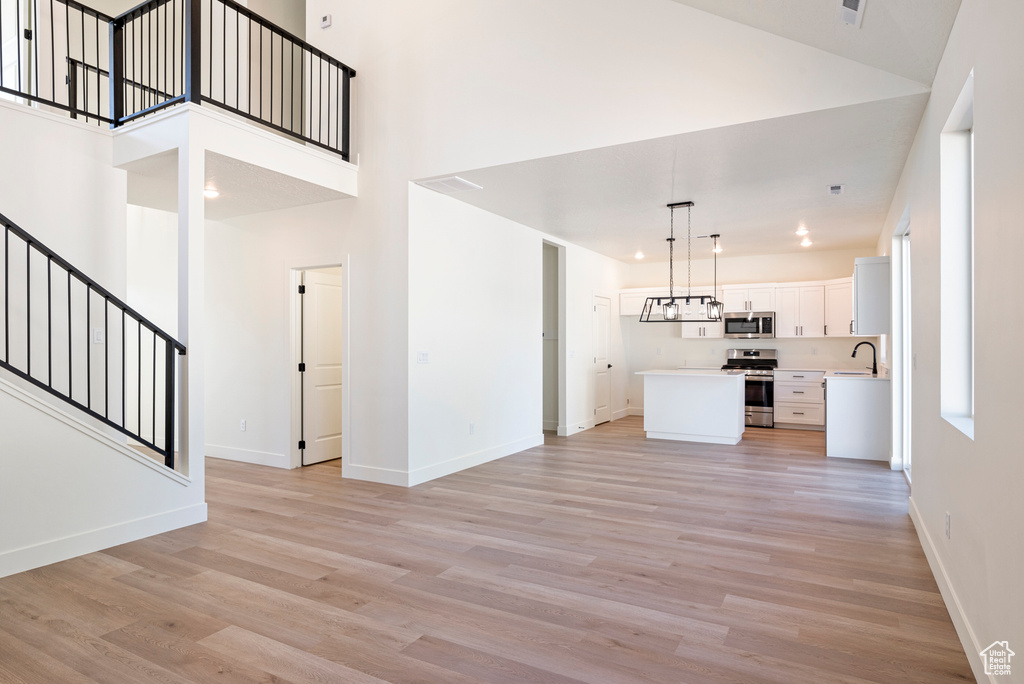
(694,405)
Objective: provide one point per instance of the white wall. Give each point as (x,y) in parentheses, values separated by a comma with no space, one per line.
(249,297)
(476,307)
(978,482)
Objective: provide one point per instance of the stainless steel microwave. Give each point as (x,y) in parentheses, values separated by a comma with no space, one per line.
(749,325)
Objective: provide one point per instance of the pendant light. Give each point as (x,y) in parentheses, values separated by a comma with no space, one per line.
(714,306)
(667,309)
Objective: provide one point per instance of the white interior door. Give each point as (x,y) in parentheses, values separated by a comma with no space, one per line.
(602,369)
(322,356)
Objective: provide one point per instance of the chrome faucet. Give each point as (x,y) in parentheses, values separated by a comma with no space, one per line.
(874,356)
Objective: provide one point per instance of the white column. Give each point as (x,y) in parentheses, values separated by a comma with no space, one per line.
(191,309)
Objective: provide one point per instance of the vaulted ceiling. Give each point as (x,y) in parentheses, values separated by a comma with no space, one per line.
(753,182)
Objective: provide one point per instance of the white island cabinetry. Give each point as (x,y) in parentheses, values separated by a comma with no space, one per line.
(694,405)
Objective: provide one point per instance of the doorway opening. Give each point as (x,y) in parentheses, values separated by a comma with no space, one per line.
(602,367)
(320,368)
(550,337)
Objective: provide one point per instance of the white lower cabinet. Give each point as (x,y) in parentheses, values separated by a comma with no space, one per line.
(800,399)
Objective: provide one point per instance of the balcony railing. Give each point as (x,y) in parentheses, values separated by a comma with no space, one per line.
(64,55)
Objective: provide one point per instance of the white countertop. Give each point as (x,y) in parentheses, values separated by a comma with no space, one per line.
(844,375)
(703,372)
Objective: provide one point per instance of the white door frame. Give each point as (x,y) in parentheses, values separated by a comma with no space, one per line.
(294,323)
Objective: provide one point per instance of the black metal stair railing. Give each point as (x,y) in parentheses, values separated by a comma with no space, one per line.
(54,53)
(68,335)
(114,70)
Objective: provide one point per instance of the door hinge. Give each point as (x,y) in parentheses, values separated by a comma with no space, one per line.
(595,412)
(302,444)
(302,368)
(302,289)
(28,34)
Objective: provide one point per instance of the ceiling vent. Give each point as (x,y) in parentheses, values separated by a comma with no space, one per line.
(836,189)
(449,185)
(851,12)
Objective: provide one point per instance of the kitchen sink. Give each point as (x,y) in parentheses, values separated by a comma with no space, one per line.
(861,373)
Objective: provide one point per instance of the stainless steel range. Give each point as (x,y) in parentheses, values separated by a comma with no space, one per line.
(759,366)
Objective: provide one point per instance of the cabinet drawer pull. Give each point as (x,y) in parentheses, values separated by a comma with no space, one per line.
(798,376)
(798,413)
(797,391)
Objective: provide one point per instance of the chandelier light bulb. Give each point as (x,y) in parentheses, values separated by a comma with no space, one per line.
(670,311)
(802,230)
(639,255)
(806,242)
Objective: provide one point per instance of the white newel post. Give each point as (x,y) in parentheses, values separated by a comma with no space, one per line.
(191,309)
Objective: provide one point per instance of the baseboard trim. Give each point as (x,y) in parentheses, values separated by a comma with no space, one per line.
(249,456)
(635,411)
(621,413)
(432,472)
(956,612)
(550,424)
(352,471)
(54,551)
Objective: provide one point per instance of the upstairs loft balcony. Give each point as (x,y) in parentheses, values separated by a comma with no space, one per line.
(66,56)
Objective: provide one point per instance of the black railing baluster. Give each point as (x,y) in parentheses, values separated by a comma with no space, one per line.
(117,87)
(53,58)
(260,28)
(7,293)
(28,304)
(17,40)
(99,88)
(106,358)
(169,405)
(154,388)
(345,114)
(71,347)
(124,372)
(138,366)
(224,54)
(49,321)
(88,346)
(238,57)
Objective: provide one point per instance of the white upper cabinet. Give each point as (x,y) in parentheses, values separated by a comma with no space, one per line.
(800,311)
(839,308)
(748,297)
(871,298)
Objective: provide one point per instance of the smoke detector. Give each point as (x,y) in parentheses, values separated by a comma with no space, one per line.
(449,185)
(851,12)
(836,189)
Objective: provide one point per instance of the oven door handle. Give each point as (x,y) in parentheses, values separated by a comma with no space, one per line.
(759,378)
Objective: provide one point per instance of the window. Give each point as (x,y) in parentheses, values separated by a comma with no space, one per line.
(956,215)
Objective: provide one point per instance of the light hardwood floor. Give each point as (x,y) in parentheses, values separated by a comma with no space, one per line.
(602,557)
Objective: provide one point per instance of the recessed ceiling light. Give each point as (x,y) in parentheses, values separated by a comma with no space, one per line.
(802,230)
(210,193)
(806,243)
(639,255)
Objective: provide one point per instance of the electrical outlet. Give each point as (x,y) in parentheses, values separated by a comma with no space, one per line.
(472,428)
(242,425)
(97,336)
(947,524)
(422,357)
(659,351)
(325,21)
(814,351)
